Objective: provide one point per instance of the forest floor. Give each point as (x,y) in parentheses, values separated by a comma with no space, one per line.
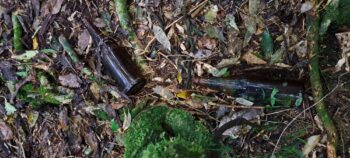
(53,106)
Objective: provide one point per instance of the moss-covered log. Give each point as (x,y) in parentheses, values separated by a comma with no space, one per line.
(124,21)
(316,84)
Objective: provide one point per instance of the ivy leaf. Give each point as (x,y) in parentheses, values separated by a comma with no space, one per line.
(267,45)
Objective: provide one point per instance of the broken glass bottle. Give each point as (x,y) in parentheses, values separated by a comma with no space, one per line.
(274,93)
(129,81)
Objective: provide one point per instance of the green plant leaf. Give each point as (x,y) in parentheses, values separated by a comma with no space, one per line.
(267,45)
(114,126)
(272,97)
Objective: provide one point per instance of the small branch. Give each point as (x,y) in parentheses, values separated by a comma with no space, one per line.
(316,84)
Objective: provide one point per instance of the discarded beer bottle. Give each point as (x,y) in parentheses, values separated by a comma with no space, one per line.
(260,92)
(116,63)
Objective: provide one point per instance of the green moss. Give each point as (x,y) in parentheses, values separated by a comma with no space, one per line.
(159,132)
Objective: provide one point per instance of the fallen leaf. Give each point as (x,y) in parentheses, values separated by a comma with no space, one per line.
(306,6)
(248,114)
(70,80)
(163,92)
(231,22)
(32,118)
(95,89)
(214,32)
(228,62)
(5,131)
(29,54)
(127,121)
(203,53)
(57,6)
(250,58)
(84,40)
(210,16)
(9,108)
(100,23)
(267,45)
(161,37)
(311,144)
(244,102)
(183,94)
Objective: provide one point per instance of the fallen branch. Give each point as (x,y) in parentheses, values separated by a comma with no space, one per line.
(316,84)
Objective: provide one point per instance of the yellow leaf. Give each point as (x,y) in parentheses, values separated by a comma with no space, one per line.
(179,77)
(182,95)
(35,43)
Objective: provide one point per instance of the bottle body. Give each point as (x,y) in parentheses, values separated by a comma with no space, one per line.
(123,71)
(259,92)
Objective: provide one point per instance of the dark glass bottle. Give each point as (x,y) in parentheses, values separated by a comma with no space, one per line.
(129,80)
(257,91)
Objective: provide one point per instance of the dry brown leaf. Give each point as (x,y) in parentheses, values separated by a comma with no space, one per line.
(5,131)
(84,40)
(71,80)
(250,58)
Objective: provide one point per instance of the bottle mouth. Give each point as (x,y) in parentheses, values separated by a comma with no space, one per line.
(139,84)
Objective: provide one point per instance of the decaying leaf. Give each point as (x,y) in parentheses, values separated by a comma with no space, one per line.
(306,6)
(214,32)
(10,109)
(32,118)
(163,92)
(248,114)
(95,89)
(344,41)
(311,144)
(84,40)
(231,22)
(183,94)
(161,37)
(70,80)
(214,71)
(250,21)
(29,54)
(127,120)
(253,59)
(5,131)
(210,16)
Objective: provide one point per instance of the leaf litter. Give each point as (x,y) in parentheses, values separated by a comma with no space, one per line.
(79,109)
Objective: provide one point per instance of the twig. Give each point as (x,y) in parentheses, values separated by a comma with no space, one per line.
(301,113)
